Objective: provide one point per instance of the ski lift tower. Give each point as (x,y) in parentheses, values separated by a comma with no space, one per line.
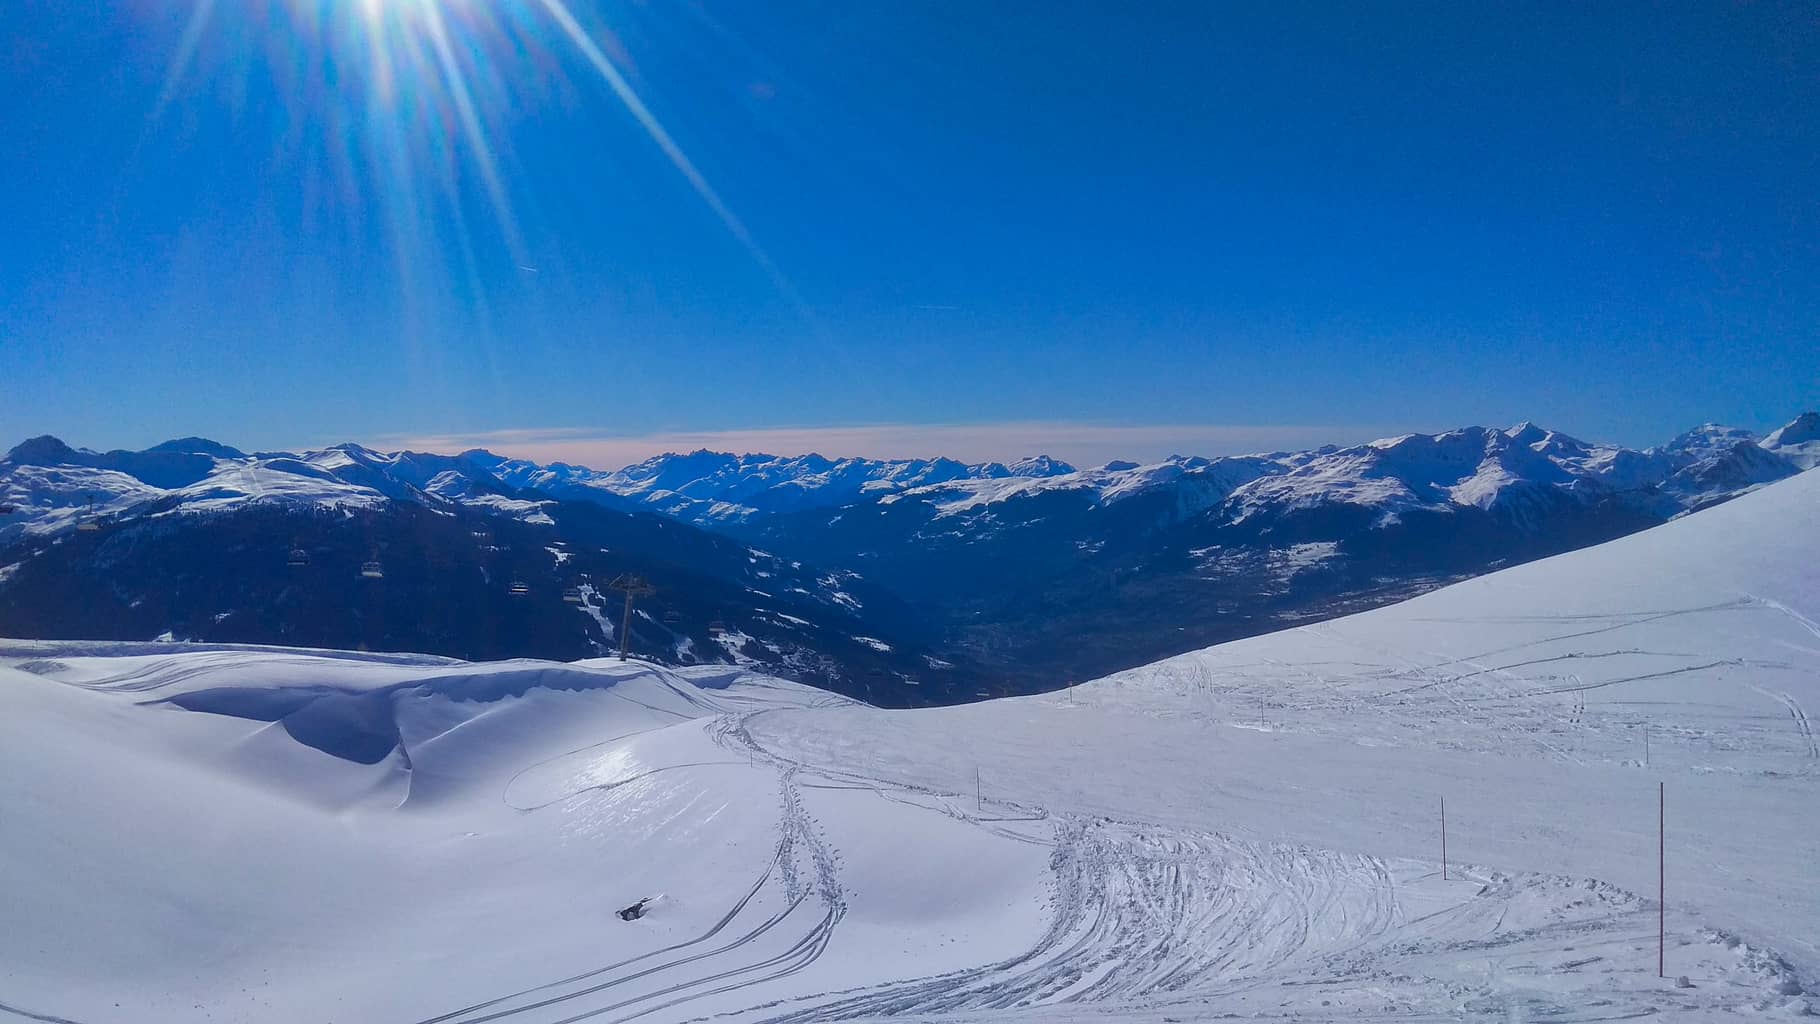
(633,586)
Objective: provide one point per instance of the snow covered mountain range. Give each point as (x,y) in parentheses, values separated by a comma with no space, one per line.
(1473,466)
(1251,831)
(349,548)
(1020,570)
(51,485)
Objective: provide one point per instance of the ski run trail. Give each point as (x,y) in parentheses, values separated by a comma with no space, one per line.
(1248,832)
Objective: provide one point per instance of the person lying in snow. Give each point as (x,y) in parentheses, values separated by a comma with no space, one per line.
(636,910)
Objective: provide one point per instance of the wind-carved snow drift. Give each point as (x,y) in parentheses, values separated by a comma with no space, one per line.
(1248,831)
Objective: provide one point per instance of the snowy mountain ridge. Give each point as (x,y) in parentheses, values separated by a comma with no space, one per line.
(51,485)
(1467,466)
(1066,569)
(1476,466)
(1797,441)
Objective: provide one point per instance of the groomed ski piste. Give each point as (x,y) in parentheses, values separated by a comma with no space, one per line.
(1247,832)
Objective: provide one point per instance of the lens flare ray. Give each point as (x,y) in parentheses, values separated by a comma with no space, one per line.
(408,99)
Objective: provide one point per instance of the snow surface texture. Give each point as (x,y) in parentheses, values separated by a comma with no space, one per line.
(1252,831)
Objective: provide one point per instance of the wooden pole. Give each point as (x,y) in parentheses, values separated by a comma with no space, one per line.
(978,803)
(1661,881)
(1443,839)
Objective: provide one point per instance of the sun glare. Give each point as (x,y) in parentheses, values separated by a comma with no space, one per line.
(414,101)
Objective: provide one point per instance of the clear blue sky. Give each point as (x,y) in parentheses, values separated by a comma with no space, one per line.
(1602,217)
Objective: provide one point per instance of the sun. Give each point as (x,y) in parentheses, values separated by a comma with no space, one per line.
(420,97)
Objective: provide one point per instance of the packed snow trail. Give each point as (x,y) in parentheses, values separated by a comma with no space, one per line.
(538,992)
(1143,912)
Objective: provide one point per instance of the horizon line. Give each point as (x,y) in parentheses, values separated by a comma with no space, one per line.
(1081,444)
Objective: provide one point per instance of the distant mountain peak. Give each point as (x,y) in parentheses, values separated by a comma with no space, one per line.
(1710,437)
(195,446)
(43,450)
(1798,441)
(1803,429)
(1039,465)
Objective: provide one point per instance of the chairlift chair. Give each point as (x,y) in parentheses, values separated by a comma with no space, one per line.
(372,571)
(519,588)
(717,628)
(573,596)
(298,558)
(672,616)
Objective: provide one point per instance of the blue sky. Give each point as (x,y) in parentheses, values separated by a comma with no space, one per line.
(978,228)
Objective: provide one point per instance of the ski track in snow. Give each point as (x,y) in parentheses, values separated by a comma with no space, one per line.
(1507,698)
(1796,712)
(674,976)
(47,1018)
(1145,919)
(1143,912)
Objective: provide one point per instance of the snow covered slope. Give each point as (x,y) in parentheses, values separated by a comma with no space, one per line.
(276,834)
(273,834)
(1542,703)
(1797,441)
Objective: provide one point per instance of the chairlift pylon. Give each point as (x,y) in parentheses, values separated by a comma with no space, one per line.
(90,521)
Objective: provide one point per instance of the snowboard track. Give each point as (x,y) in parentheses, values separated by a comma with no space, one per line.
(634,988)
